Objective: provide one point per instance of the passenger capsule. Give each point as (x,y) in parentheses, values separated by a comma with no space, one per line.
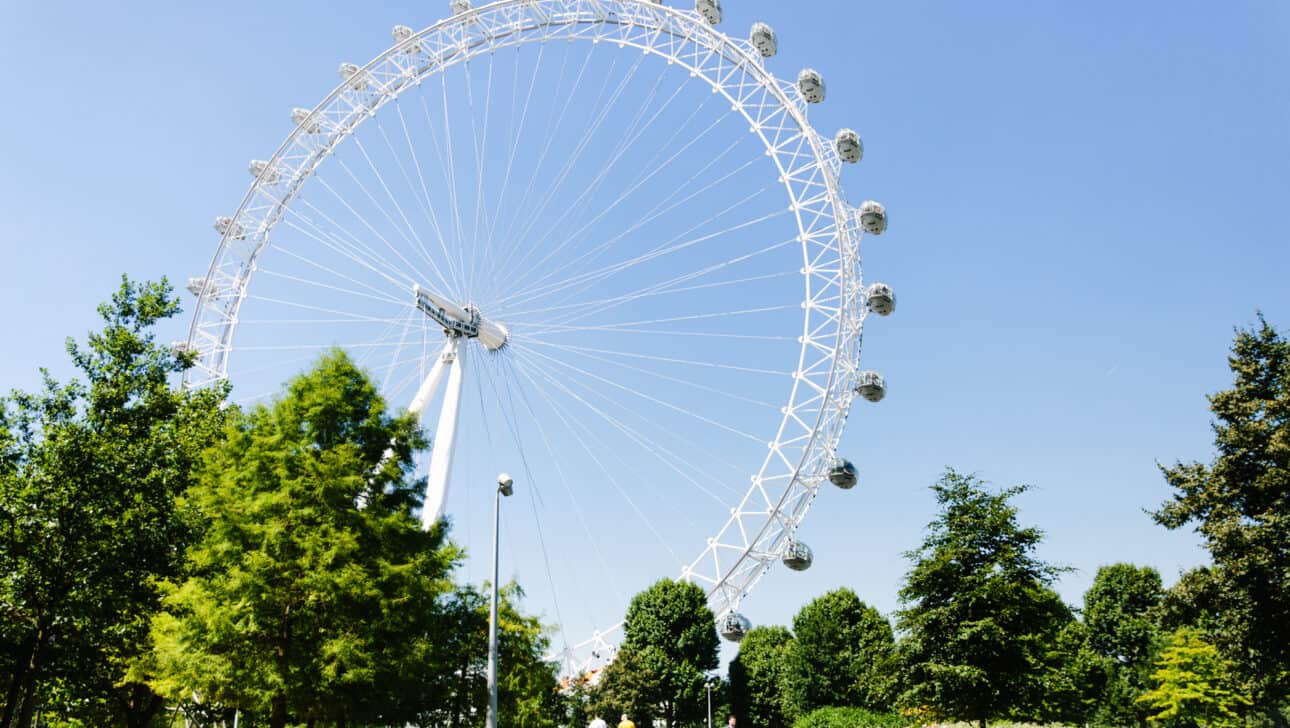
(881,299)
(195,286)
(763,39)
(734,626)
(179,348)
(709,9)
(261,169)
(459,6)
(797,556)
(353,76)
(301,118)
(842,473)
(230,228)
(849,146)
(873,217)
(870,386)
(401,33)
(810,85)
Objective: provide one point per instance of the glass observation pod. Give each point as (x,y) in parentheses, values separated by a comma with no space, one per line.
(873,217)
(763,39)
(881,299)
(798,556)
(225,226)
(734,626)
(811,85)
(459,6)
(353,76)
(195,286)
(709,9)
(401,34)
(842,473)
(179,348)
(300,117)
(849,146)
(260,168)
(870,386)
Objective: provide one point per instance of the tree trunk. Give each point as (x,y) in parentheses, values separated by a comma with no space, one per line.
(14,698)
(20,706)
(278,712)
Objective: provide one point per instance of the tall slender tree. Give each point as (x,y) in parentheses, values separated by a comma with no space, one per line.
(313,594)
(977,611)
(89,474)
(1240,505)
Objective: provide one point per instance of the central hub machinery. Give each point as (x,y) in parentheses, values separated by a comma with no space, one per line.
(461,321)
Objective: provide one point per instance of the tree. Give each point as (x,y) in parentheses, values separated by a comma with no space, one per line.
(1120,612)
(313,594)
(1240,504)
(977,612)
(669,642)
(1194,686)
(756,676)
(89,474)
(841,655)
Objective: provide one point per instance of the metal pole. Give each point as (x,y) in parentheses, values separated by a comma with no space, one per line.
(492,621)
(504,485)
(709,703)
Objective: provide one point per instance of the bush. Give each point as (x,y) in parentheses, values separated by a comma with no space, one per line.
(849,718)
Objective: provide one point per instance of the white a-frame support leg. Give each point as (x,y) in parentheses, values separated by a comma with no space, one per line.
(445,432)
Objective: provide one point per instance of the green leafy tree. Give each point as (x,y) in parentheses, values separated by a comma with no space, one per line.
(313,594)
(756,676)
(842,654)
(89,474)
(977,611)
(526,684)
(1194,685)
(1240,504)
(669,642)
(1120,611)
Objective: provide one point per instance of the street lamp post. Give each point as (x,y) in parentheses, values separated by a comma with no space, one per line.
(708,683)
(505,486)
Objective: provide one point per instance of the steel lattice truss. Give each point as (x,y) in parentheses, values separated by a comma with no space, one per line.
(797,459)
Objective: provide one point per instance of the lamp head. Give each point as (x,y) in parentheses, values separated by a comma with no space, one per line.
(505,484)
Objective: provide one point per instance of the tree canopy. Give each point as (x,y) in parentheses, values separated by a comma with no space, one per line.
(977,612)
(89,473)
(841,654)
(756,676)
(1240,504)
(669,643)
(313,594)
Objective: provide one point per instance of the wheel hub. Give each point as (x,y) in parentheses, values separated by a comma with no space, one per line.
(461,321)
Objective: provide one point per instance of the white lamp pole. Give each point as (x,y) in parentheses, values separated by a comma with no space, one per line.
(505,486)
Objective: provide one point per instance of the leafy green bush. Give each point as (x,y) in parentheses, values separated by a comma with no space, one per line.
(849,718)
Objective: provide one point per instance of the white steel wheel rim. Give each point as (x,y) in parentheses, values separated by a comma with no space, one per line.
(797,457)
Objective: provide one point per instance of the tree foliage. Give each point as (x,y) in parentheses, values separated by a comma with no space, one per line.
(313,595)
(89,473)
(756,676)
(1121,611)
(1240,504)
(1194,686)
(977,611)
(669,643)
(841,654)
(849,717)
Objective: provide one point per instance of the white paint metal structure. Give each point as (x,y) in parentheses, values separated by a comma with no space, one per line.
(799,454)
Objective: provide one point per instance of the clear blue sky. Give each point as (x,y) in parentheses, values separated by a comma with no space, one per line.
(1085,200)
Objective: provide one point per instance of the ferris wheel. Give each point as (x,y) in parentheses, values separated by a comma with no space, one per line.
(593,242)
